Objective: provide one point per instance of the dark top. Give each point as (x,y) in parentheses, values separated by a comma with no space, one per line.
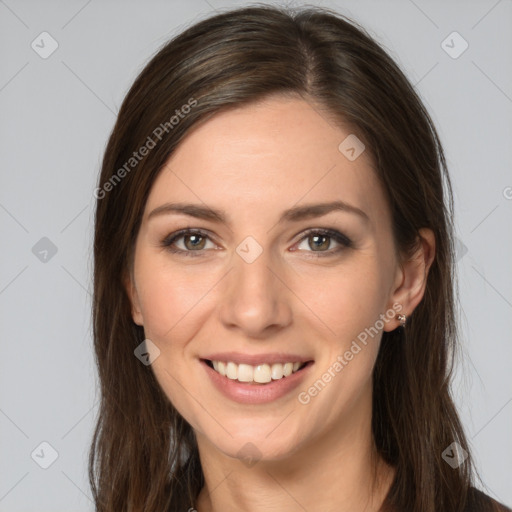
(481,502)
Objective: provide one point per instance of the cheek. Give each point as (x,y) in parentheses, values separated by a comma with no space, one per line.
(168,298)
(350,310)
(352,301)
(173,306)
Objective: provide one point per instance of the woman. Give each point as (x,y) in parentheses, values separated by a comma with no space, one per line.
(274,308)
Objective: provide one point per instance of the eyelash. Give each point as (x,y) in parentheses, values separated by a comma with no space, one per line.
(343,240)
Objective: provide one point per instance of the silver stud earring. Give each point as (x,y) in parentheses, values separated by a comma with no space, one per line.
(402,319)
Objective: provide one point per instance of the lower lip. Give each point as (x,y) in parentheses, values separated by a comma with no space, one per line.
(246,393)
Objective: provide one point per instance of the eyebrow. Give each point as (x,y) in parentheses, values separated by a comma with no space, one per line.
(295,214)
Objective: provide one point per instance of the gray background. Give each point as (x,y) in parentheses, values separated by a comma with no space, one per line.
(56,115)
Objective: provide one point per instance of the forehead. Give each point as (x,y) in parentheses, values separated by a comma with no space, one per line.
(266,157)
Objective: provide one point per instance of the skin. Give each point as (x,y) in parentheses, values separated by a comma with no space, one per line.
(253,163)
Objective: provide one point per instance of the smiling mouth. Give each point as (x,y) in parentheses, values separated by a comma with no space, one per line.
(256,374)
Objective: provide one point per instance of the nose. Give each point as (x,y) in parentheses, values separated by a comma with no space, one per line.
(256,300)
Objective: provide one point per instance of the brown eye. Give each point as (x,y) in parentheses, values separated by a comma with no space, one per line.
(188,242)
(320,241)
(194,242)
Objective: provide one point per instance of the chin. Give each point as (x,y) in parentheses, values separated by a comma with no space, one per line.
(258,441)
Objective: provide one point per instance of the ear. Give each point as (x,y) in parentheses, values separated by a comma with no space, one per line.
(133,296)
(411,278)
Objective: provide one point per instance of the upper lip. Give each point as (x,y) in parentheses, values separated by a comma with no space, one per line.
(255,359)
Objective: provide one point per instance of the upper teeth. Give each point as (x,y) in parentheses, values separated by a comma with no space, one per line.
(261,373)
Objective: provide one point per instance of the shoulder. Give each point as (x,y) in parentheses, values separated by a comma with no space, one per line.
(478,501)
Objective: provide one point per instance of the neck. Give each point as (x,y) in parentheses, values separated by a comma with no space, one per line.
(341,471)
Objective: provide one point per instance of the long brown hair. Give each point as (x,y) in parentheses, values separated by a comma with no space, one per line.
(143,455)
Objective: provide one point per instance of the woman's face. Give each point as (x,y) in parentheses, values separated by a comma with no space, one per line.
(260,283)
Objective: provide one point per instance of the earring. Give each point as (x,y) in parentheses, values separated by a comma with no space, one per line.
(402,319)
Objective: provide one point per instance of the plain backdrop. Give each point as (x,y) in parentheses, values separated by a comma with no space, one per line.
(57,110)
